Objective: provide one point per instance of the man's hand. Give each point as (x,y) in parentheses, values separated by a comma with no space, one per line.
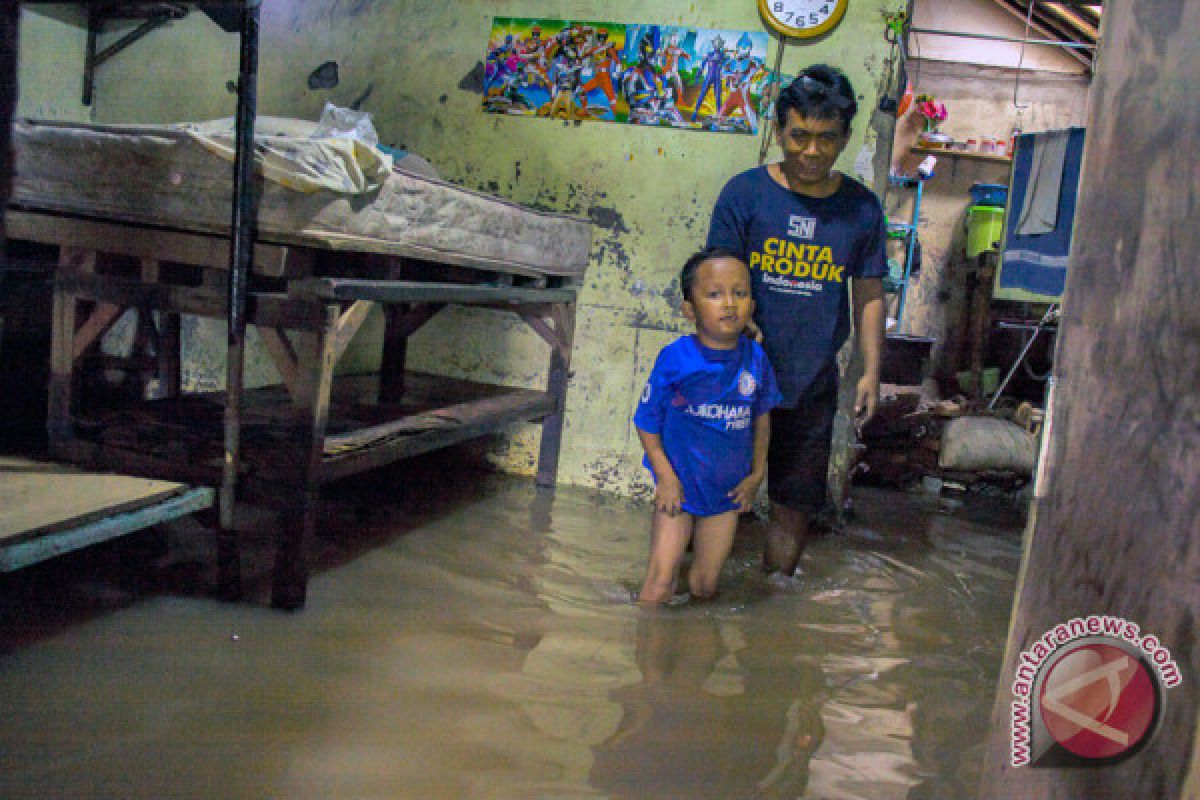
(668,495)
(752,331)
(866,399)
(747,489)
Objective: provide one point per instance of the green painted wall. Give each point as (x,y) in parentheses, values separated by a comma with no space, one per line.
(53,41)
(649,191)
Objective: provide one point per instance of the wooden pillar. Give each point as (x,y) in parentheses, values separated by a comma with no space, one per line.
(10,14)
(59,426)
(556,385)
(1116,525)
(299,527)
(395,354)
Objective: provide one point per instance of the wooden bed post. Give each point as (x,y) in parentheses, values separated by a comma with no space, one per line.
(556,384)
(290,586)
(400,321)
(59,428)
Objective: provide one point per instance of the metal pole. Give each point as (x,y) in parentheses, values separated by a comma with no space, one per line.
(1051,315)
(241,251)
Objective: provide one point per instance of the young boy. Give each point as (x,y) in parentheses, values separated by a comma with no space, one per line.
(704,423)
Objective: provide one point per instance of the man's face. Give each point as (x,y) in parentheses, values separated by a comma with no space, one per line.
(810,146)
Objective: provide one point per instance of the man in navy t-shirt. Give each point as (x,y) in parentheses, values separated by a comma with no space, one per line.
(813,239)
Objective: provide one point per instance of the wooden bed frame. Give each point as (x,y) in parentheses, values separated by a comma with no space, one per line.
(313,429)
(47,510)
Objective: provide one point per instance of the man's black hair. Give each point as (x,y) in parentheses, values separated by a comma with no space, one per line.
(687,276)
(819,92)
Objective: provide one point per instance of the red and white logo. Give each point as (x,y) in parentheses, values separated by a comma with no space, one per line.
(1089,692)
(1098,700)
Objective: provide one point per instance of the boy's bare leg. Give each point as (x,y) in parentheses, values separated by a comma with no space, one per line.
(670,535)
(787,534)
(712,543)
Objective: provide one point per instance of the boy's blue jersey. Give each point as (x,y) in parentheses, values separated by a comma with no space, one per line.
(801,251)
(703,403)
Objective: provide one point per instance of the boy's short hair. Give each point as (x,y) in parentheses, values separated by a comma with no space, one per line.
(687,275)
(819,92)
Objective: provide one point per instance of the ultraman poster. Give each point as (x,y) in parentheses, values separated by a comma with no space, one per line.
(711,80)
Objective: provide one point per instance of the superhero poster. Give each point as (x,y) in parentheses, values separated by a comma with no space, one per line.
(669,76)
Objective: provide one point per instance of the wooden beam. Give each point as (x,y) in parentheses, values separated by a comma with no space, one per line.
(262,308)
(283,355)
(349,324)
(551,336)
(421,292)
(99,322)
(141,241)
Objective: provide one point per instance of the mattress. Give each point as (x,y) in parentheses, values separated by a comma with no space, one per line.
(330,194)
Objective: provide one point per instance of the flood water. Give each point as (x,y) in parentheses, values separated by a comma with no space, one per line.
(484,646)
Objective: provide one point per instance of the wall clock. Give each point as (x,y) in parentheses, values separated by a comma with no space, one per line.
(802,19)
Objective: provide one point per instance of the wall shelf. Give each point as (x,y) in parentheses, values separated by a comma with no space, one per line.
(963,154)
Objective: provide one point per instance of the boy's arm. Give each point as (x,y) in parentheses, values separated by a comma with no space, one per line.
(744,493)
(668,493)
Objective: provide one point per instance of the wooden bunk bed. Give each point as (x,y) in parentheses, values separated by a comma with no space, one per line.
(307,292)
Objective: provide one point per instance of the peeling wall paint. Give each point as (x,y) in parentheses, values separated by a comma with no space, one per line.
(648,192)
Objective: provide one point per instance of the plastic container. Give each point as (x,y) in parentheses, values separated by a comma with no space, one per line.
(985,227)
(989,194)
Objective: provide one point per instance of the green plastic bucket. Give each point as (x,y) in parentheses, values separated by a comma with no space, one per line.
(985,226)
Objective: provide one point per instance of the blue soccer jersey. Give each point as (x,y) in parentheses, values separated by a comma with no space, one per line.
(703,403)
(801,251)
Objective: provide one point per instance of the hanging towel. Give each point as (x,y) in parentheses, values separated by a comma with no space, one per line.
(1039,212)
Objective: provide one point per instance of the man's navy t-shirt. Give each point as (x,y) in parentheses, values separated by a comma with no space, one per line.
(801,252)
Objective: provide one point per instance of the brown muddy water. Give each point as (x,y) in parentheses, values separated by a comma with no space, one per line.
(481,644)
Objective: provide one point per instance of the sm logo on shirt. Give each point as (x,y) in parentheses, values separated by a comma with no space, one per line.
(801,227)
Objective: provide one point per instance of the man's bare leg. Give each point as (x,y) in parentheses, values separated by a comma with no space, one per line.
(787,534)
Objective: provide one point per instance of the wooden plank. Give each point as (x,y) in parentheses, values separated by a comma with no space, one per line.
(154,243)
(472,420)
(50,545)
(272,310)
(424,292)
(37,498)
(966,155)
(128,462)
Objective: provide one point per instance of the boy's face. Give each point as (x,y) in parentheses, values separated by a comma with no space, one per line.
(810,146)
(721,302)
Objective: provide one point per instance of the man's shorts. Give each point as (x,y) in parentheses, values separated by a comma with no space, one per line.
(798,458)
